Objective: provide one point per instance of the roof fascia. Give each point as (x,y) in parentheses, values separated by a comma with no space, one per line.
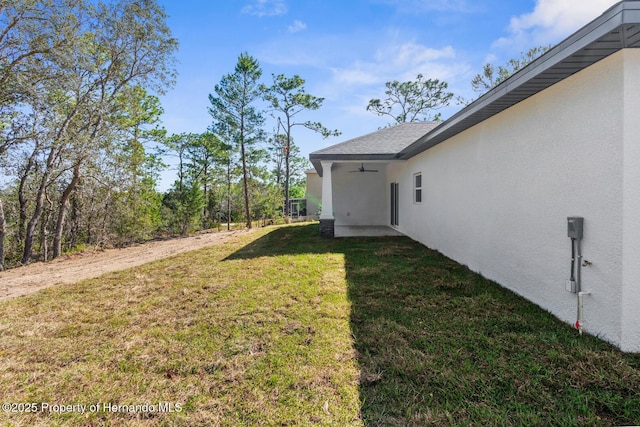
(617,16)
(316,159)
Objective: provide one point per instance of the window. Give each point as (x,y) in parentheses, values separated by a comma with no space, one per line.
(395,196)
(417,187)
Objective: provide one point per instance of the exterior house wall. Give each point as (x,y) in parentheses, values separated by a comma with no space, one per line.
(357,197)
(631,209)
(313,193)
(496,196)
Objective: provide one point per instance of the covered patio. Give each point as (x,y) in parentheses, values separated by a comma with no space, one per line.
(356,196)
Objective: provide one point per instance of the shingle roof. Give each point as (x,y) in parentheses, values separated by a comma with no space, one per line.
(383,144)
(389,140)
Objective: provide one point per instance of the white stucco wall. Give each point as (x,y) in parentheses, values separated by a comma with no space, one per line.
(313,193)
(359,198)
(496,197)
(631,209)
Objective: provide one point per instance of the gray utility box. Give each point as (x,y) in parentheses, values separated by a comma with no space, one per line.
(574,227)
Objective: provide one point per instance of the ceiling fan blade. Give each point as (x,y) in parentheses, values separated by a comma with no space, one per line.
(362,169)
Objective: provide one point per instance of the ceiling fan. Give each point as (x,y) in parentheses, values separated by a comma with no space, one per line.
(362,169)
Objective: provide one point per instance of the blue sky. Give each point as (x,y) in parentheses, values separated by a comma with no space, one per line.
(347,49)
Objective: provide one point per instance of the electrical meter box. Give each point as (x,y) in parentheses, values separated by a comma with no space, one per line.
(574,227)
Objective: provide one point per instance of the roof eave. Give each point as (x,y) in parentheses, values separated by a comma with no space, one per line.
(548,69)
(316,159)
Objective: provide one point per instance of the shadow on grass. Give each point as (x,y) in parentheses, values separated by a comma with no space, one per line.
(437,344)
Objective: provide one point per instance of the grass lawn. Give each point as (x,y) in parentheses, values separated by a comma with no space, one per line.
(280,327)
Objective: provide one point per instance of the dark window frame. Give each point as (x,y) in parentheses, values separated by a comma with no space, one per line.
(394,204)
(417,187)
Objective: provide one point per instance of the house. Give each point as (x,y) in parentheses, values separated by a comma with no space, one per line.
(313,193)
(493,186)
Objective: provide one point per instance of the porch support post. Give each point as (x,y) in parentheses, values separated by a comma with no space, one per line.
(327,221)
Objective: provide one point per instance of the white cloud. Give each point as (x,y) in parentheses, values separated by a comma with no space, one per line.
(318,52)
(297,26)
(349,70)
(399,62)
(352,85)
(550,21)
(266,8)
(490,59)
(357,75)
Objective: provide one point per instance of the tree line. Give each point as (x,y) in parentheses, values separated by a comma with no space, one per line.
(82,145)
(74,77)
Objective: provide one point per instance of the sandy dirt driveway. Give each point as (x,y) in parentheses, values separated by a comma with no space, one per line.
(86,265)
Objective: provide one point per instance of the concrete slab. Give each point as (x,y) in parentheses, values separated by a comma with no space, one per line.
(365,231)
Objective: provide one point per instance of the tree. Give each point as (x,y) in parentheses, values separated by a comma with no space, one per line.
(178,145)
(412,101)
(63,64)
(30,32)
(288,98)
(135,167)
(204,154)
(120,44)
(3,231)
(234,107)
(492,76)
(199,159)
(226,157)
(185,206)
(277,148)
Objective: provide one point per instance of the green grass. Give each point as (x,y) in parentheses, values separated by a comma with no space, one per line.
(280,327)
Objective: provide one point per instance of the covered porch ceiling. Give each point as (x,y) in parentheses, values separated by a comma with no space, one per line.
(363,166)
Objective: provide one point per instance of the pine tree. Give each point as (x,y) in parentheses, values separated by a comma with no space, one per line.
(234,108)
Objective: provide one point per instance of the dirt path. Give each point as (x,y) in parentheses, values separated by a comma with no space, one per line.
(73,268)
